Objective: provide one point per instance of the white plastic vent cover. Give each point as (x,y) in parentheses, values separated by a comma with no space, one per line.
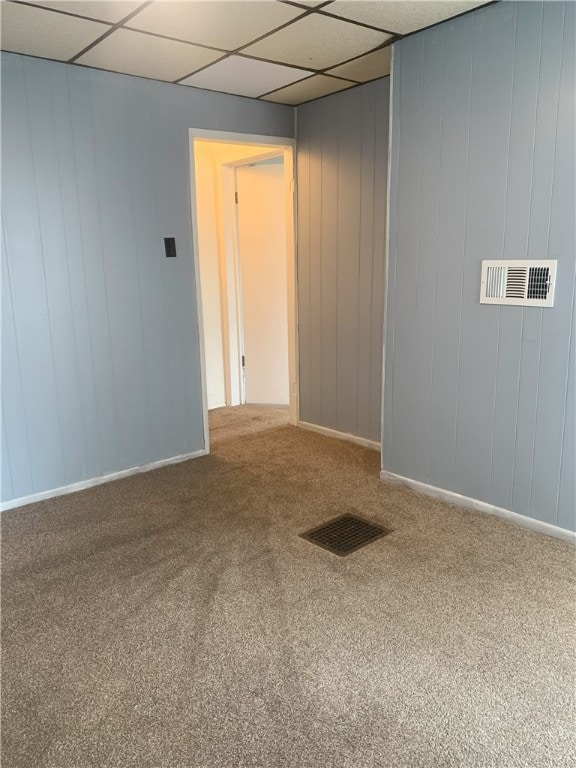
(521,283)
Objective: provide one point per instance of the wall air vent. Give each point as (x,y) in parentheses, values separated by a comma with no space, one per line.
(520,283)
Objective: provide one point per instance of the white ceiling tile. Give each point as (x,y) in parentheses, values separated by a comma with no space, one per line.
(37,32)
(313,88)
(245,77)
(369,67)
(400,16)
(225,24)
(136,53)
(102,10)
(317,42)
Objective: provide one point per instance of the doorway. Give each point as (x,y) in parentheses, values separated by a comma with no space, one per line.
(243,225)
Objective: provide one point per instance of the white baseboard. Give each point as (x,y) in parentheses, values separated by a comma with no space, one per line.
(481,506)
(83,484)
(340,435)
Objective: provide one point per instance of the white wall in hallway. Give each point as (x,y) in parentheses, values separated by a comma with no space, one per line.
(209,157)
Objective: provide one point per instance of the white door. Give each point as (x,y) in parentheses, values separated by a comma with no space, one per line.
(262,260)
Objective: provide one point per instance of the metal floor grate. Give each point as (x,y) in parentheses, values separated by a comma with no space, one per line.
(345,534)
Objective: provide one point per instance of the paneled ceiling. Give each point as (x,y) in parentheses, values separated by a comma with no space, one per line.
(276,50)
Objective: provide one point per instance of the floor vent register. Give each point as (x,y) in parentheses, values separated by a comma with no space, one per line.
(345,534)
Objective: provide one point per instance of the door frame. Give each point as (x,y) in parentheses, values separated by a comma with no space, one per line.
(277,144)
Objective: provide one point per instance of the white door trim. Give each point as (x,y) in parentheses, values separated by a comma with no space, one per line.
(240,138)
(277,143)
(199,313)
(230,300)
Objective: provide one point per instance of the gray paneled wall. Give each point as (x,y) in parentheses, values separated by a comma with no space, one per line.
(480,399)
(342,167)
(100,356)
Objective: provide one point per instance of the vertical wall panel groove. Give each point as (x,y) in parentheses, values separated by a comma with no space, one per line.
(328,240)
(410,142)
(417,254)
(347,261)
(342,162)
(314,264)
(5,470)
(98,304)
(43,247)
(82,246)
(88,438)
(501,392)
(366,262)
(144,455)
(566,516)
(100,345)
(492,64)
(465,192)
(390,325)
(555,343)
(380,207)
(428,149)
(433,244)
(502,416)
(540,204)
(15,419)
(303,268)
(562,240)
(26,282)
(54,270)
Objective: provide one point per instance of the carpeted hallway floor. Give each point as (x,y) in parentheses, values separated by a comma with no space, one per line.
(227,423)
(176,620)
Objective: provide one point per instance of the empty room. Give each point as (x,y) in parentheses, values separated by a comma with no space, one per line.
(288,469)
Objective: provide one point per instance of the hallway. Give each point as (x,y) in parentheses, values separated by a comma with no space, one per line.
(229,422)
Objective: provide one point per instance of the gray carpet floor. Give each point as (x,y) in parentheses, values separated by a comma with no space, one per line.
(175,619)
